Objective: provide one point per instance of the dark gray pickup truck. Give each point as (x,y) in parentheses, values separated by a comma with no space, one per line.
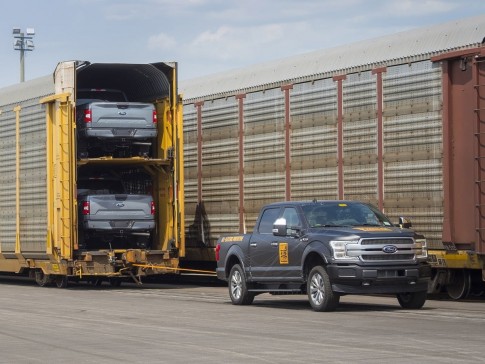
(108,124)
(111,218)
(325,249)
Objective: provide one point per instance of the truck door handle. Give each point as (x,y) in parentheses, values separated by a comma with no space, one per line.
(274,243)
(253,244)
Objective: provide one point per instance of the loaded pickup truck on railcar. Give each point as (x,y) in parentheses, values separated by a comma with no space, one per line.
(325,249)
(56,224)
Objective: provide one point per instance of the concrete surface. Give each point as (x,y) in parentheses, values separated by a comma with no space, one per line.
(186,323)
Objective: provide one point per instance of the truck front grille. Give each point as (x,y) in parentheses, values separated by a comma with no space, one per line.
(386,249)
(387,257)
(386,241)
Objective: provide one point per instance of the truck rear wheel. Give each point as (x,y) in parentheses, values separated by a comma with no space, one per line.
(319,289)
(238,291)
(412,300)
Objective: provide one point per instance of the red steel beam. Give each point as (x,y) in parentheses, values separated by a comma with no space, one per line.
(240,98)
(380,136)
(340,134)
(448,187)
(198,105)
(286,89)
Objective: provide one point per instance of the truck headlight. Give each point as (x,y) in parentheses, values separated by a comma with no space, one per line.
(342,249)
(421,249)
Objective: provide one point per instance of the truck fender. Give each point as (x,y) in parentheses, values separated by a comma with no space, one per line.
(316,252)
(234,253)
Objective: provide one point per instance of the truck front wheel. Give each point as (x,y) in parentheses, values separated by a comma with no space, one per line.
(412,300)
(319,290)
(238,290)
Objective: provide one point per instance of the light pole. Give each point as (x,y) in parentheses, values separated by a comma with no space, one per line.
(23,43)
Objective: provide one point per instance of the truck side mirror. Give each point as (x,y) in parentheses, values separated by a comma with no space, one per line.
(404,223)
(279,227)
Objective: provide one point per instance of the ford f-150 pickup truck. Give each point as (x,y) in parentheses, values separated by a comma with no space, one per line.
(325,249)
(111,218)
(108,124)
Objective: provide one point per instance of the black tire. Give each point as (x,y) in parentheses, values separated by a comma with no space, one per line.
(319,290)
(412,300)
(238,290)
(82,149)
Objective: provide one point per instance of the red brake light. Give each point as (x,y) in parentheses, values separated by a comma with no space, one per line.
(218,249)
(88,116)
(152,208)
(155,117)
(86,208)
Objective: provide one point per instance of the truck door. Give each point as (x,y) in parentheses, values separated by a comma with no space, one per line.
(290,247)
(263,247)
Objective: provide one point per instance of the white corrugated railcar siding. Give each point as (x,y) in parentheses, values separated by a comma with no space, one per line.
(32,177)
(413,146)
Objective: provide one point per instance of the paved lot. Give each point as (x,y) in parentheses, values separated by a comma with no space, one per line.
(184,323)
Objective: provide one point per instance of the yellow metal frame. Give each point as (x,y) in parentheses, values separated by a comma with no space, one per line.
(61,176)
(456,260)
(169,187)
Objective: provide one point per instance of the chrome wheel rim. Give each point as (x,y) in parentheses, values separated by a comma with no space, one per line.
(236,285)
(317,292)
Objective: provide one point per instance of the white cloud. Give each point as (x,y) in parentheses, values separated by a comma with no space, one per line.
(238,35)
(135,10)
(161,41)
(420,7)
(223,33)
(124,12)
(229,43)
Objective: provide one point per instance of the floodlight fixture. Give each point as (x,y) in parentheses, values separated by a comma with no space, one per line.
(23,42)
(29,45)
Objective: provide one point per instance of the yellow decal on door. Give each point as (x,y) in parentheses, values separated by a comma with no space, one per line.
(283,250)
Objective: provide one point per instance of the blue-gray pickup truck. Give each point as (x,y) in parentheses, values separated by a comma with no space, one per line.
(325,249)
(108,124)
(109,217)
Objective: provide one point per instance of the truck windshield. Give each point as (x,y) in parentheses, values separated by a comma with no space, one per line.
(335,214)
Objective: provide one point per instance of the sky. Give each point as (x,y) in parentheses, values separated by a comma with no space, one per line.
(203,36)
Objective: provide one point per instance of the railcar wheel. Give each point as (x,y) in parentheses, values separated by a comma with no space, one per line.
(238,291)
(412,300)
(459,284)
(43,280)
(96,282)
(61,281)
(115,282)
(319,290)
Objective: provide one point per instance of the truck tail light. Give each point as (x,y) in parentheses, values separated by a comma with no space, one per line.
(152,208)
(218,249)
(86,208)
(88,116)
(155,117)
